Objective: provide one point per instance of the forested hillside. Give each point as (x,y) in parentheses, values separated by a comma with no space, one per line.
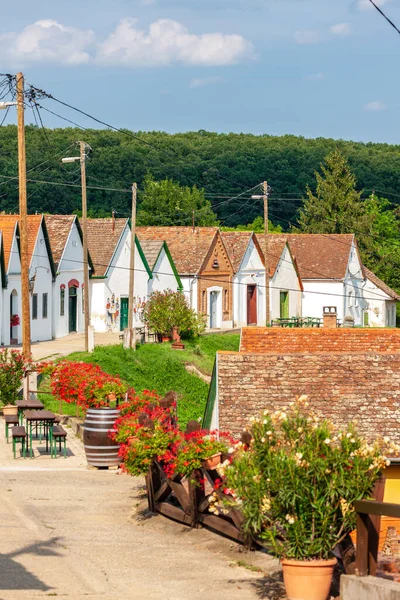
(224,164)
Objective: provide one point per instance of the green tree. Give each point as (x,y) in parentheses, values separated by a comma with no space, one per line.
(336,206)
(257,226)
(166,202)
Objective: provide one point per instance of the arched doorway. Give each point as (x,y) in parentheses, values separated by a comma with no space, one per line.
(13,311)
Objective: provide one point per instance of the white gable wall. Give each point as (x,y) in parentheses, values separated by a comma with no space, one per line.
(251,272)
(380,307)
(13,286)
(318,294)
(42,326)
(163,275)
(70,268)
(116,285)
(285,279)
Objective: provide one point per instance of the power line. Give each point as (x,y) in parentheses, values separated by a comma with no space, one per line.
(385,16)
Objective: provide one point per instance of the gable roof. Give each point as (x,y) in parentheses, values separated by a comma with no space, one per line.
(381,284)
(236,244)
(151,250)
(8,227)
(103,238)
(58,228)
(318,256)
(34,223)
(276,245)
(188,247)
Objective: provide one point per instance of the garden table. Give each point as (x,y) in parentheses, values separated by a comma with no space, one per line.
(30,404)
(39,417)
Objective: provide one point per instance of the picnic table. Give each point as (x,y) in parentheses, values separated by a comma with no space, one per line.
(43,418)
(29,404)
(297,322)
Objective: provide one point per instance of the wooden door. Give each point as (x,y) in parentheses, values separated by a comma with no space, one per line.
(284,305)
(123,320)
(72,308)
(251,305)
(213,309)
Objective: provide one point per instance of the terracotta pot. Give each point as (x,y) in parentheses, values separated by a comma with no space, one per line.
(308,579)
(213,461)
(10,409)
(166,338)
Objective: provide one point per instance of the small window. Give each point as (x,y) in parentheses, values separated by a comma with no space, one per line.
(34,306)
(44,306)
(225,300)
(62,302)
(203,302)
(350,299)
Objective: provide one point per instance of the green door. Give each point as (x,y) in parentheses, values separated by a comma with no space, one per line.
(284,305)
(72,308)
(123,321)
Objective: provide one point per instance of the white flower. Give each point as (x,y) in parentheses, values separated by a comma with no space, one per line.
(231,450)
(265,422)
(290,519)
(269,433)
(352,441)
(327,441)
(263,440)
(348,435)
(299,430)
(299,455)
(387,463)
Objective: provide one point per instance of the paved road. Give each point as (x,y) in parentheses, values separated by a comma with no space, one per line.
(70,532)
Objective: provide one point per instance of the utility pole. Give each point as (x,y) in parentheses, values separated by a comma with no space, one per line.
(83,147)
(23,220)
(267,299)
(131,328)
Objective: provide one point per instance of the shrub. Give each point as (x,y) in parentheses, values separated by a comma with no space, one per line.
(12,371)
(297,482)
(166,310)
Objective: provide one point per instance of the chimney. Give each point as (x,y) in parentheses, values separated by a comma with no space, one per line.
(330,317)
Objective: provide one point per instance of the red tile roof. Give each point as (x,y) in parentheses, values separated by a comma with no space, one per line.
(381,284)
(103,237)
(236,243)
(7,227)
(151,250)
(188,248)
(318,256)
(34,222)
(58,228)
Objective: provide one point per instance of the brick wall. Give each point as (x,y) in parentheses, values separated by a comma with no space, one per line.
(341,387)
(311,340)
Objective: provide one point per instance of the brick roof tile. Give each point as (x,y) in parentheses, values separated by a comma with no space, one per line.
(151,250)
(188,248)
(58,228)
(103,237)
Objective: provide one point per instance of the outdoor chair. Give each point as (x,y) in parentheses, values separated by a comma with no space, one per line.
(19,435)
(10,420)
(58,433)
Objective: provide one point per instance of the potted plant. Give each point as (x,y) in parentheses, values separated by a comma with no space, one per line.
(296,484)
(12,370)
(196,450)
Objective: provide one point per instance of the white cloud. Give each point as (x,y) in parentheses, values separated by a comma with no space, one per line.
(47,41)
(366,4)
(341,29)
(168,42)
(307,36)
(197,82)
(315,77)
(375,106)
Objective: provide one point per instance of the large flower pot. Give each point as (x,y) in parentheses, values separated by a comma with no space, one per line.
(212,462)
(100,449)
(10,409)
(308,579)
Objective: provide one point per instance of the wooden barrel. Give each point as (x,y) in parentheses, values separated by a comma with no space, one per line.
(100,449)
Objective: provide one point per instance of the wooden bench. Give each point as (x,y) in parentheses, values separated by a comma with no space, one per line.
(58,433)
(19,435)
(10,420)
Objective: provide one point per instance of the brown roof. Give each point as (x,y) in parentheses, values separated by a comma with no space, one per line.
(236,243)
(58,228)
(276,244)
(34,222)
(151,250)
(188,248)
(103,237)
(318,256)
(381,284)
(7,227)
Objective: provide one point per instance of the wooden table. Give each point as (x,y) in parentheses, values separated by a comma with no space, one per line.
(39,417)
(30,404)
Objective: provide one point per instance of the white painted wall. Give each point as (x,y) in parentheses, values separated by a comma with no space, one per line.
(42,326)
(14,284)
(285,279)
(70,268)
(318,294)
(163,275)
(380,307)
(117,284)
(251,272)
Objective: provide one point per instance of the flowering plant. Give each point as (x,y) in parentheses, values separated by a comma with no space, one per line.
(191,452)
(12,371)
(14,320)
(297,482)
(84,384)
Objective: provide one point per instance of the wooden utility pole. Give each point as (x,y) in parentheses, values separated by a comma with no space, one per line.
(267,299)
(23,221)
(83,147)
(131,328)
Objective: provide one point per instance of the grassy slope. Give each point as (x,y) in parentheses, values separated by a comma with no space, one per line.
(158,367)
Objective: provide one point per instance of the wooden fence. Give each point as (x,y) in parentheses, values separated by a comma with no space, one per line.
(187,500)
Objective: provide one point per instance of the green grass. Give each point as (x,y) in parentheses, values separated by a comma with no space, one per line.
(158,367)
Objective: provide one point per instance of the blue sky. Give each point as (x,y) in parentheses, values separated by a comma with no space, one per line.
(317,68)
